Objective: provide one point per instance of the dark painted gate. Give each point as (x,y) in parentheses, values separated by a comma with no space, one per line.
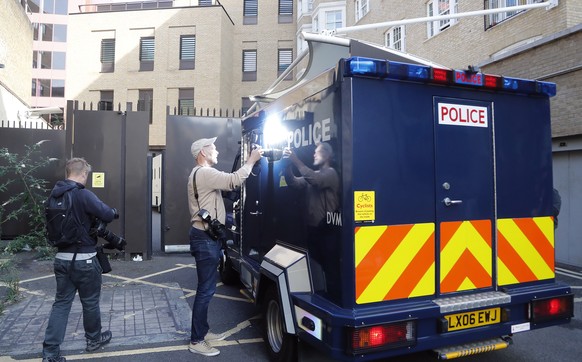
(115,143)
(177,164)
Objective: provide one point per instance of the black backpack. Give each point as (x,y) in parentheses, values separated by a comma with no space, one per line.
(62,227)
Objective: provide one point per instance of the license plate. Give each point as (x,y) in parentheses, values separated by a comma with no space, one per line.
(474,319)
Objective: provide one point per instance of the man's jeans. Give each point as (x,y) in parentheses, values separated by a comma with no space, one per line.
(84,277)
(207,254)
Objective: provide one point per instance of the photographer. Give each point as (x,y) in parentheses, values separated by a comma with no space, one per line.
(76,267)
(208,182)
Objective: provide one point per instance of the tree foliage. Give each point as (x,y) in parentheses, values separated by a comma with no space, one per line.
(20,172)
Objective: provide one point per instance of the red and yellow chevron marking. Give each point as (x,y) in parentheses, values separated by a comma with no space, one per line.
(394,262)
(525,250)
(466,255)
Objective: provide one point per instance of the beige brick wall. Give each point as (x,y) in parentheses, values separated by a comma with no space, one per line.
(565,70)
(217,79)
(15,50)
(466,42)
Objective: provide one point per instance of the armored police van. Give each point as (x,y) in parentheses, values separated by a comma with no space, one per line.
(401,206)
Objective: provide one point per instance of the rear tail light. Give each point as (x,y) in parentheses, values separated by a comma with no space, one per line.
(548,309)
(384,336)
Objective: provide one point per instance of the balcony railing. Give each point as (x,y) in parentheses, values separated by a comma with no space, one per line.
(142,5)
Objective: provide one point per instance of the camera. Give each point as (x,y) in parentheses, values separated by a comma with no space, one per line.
(216,230)
(273,154)
(114,241)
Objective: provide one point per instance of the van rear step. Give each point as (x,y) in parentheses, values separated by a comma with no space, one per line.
(473,348)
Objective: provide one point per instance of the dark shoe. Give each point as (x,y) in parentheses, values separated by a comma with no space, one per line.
(54,359)
(95,345)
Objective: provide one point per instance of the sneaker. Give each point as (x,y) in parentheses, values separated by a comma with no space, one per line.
(214,337)
(204,348)
(54,359)
(95,345)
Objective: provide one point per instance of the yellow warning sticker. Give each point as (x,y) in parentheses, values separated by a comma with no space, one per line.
(98,179)
(364,206)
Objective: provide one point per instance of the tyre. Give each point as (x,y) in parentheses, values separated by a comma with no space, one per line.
(282,347)
(228,276)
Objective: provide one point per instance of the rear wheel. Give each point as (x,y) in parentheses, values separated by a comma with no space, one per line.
(282,347)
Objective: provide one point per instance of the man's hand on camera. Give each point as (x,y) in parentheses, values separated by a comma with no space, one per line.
(115,213)
(256,155)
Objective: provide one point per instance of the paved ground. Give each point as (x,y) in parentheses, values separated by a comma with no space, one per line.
(145,302)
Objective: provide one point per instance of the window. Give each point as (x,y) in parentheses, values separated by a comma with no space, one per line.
(55,7)
(51,32)
(107,55)
(250,11)
(106,102)
(41,88)
(60,33)
(493,19)
(145,101)
(333,20)
(35,27)
(146,54)
(437,8)
(187,51)
(285,11)
(285,60)
(45,59)
(58,88)
(204,2)
(34,5)
(249,65)
(186,101)
(47,32)
(59,60)
(395,38)
(362,8)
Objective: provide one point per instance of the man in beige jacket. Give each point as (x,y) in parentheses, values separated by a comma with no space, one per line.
(204,193)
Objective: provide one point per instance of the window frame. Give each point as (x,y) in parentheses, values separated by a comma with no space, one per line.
(285,11)
(434,28)
(250,12)
(493,19)
(390,40)
(249,75)
(362,7)
(106,98)
(107,56)
(147,53)
(145,102)
(186,101)
(284,53)
(187,62)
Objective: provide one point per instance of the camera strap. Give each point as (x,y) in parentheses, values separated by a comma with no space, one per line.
(196,192)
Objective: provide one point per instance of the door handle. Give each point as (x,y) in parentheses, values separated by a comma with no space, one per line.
(448,202)
(255,213)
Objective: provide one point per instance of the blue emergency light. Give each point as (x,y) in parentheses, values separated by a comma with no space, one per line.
(378,68)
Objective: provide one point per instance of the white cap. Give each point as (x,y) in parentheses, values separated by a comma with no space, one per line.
(199,144)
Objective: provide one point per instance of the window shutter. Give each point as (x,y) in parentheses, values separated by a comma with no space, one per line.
(249,61)
(146,51)
(251,7)
(285,58)
(188,47)
(107,50)
(285,7)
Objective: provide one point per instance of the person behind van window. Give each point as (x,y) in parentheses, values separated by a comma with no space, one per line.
(76,267)
(322,185)
(206,251)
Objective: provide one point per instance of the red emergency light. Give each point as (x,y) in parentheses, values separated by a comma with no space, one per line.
(544,310)
(384,336)
(377,68)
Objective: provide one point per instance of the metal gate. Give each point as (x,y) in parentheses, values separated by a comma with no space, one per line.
(115,143)
(177,163)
